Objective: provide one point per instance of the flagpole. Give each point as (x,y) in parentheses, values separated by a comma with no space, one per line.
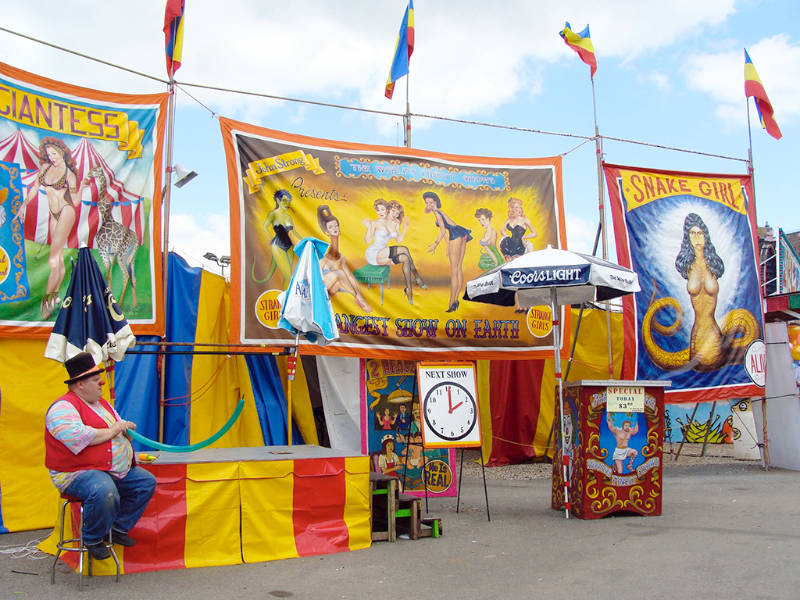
(407,117)
(165,247)
(602,211)
(751,170)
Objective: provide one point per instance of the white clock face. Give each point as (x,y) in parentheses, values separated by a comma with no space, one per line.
(450,411)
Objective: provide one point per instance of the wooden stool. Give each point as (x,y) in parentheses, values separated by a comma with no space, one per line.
(409,507)
(370,274)
(67,545)
(381,485)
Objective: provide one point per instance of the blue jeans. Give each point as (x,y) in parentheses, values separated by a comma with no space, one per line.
(110,502)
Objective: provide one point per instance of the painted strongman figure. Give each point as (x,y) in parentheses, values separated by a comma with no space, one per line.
(623,435)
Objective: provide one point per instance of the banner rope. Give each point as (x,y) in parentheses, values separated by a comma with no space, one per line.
(364,110)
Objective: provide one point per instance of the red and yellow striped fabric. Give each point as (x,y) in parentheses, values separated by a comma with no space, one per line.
(213,514)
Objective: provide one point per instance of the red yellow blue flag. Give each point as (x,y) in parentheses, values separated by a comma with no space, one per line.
(173,34)
(582,44)
(753,87)
(402,50)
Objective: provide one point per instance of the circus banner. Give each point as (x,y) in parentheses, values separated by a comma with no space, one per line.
(698,320)
(90,166)
(788,266)
(406,228)
(392,431)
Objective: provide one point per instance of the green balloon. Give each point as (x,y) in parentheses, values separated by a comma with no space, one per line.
(191,448)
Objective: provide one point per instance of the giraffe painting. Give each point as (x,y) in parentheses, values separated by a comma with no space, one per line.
(114,241)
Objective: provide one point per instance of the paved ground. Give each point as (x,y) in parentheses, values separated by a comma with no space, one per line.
(728,529)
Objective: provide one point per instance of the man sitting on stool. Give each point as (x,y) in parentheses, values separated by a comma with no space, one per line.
(90,458)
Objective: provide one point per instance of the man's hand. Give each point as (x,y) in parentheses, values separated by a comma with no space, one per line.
(116,428)
(122,426)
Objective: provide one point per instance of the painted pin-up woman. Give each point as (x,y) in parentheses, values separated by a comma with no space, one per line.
(280,224)
(490,255)
(391,225)
(335,273)
(59,179)
(457,238)
(516,239)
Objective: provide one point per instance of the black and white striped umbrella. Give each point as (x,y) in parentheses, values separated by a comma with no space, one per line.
(553,277)
(533,277)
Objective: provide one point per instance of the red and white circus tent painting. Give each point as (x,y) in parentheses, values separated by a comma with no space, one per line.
(16,149)
(127,207)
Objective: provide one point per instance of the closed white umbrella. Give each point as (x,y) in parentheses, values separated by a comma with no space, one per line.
(306,308)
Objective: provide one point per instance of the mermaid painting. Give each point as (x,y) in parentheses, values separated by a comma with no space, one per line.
(711,345)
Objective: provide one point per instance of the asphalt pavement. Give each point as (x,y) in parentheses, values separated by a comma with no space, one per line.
(727,530)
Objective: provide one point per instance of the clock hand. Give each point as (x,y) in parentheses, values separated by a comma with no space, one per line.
(449,399)
(452,408)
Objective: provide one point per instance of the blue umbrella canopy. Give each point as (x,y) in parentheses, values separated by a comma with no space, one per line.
(305,305)
(89,319)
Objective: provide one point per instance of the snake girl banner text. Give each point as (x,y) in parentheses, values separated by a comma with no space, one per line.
(406,228)
(691,239)
(90,164)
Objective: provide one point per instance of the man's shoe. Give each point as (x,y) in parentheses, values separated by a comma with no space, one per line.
(123,539)
(98,550)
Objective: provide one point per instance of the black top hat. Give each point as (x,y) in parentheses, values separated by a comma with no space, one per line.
(80,367)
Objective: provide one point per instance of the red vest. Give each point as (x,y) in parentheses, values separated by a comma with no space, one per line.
(58,457)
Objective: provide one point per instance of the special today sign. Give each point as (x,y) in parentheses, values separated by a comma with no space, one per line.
(629,399)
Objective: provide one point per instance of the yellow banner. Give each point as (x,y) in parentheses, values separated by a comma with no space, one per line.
(73,119)
(259,169)
(642,187)
(406,230)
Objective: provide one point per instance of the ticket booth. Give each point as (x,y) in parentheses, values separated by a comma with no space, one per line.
(613,444)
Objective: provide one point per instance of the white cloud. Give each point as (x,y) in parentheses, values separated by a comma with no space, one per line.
(660,80)
(469,56)
(720,75)
(192,237)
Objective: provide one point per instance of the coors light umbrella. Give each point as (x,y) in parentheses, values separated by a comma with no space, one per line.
(553,277)
(306,308)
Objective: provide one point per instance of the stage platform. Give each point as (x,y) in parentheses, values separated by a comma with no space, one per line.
(224,506)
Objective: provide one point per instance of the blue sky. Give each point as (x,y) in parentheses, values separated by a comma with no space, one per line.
(669,73)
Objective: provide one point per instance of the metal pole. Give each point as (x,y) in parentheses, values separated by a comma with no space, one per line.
(557,361)
(602,211)
(407,118)
(752,171)
(165,247)
(290,369)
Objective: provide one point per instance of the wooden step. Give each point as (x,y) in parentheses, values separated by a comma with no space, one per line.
(431,527)
(407,514)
